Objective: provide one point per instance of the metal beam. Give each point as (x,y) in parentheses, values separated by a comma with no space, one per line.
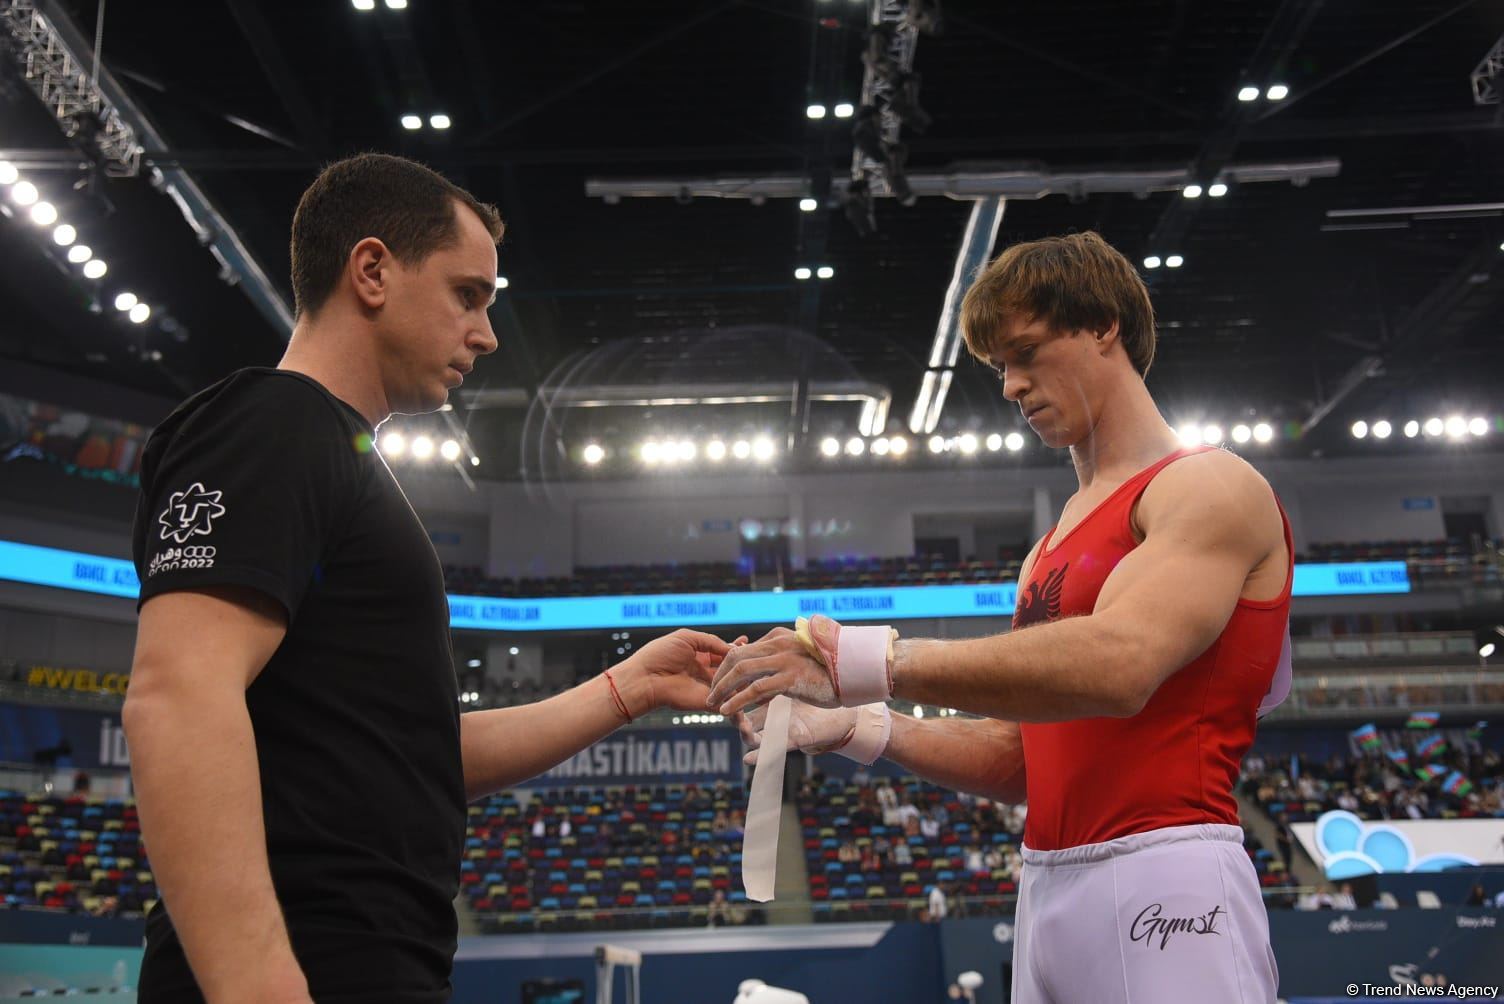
(278,72)
(237,265)
(971,258)
(1027,182)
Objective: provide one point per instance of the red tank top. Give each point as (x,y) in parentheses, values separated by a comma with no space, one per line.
(1176,761)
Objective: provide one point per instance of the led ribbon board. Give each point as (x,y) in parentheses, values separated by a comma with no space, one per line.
(45,566)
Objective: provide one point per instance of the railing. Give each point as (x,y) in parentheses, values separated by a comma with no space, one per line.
(1315,695)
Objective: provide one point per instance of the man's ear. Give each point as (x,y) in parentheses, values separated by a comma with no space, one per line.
(369,272)
(1108,335)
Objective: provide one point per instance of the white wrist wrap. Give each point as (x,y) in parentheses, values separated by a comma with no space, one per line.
(863,655)
(869,737)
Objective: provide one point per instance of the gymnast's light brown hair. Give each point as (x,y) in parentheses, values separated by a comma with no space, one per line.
(1073,282)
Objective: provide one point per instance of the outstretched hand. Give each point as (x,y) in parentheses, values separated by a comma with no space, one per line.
(675,671)
(777,663)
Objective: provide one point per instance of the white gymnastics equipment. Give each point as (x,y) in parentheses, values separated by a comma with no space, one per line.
(758,992)
(607,958)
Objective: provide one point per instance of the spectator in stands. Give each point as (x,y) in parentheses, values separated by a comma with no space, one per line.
(738,824)
(107,906)
(721,824)
(939,903)
(888,799)
(901,856)
(929,827)
(540,828)
(848,853)
(1343,898)
(1284,839)
(565,829)
(1477,897)
(992,860)
(719,911)
(974,862)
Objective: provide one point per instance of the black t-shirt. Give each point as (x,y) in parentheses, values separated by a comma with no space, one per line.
(266,480)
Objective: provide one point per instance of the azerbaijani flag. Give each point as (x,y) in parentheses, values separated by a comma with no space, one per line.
(1431,746)
(1428,771)
(1476,732)
(1366,736)
(1423,719)
(1456,784)
(1401,758)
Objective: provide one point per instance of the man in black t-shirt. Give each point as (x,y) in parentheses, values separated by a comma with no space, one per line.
(300,762)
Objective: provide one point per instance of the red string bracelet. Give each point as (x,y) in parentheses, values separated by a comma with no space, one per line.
(621,705)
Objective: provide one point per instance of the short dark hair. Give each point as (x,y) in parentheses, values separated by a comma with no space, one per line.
(408,207)
(1071,282)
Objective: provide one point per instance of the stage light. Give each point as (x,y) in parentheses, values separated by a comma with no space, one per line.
(1190,434)
(898,446)
(856,446)
(1191,191)
(79,253)
(1014,442)
(1217,190)
(825,272)
(64,235)
(439,121)
(95,269)
(474,461)
(845,110)
(1486,650)
(24,193)
(741,449)
(8,173)
(650,452)
(1153,261)
(995,442)
(1277,92)
(502,282)
(1360,429)
(1456,426)
(125,301)
(880,447)
(967,443)
(802,272)
(937,444)
(396,4)
(44,214)
(1263,432)
(1412,429)
(412,122)
(715,450)
(687,449)
(808,205)
(1174,261)
(363,5)
(422,448)
(1434,426)
(139,313)
(474,664)
(1241,434)
(763,449)
(450,450)
(393,444)
(1478,426)
(830,446)
(1247,94)
(918,711)
(815,112)
(1212,434)
(1381,429)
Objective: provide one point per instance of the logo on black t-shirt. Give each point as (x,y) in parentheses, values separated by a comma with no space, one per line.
(190,513)
(1040,603)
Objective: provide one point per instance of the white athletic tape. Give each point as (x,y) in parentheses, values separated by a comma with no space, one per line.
(862,664)
(870,735)
(765,805)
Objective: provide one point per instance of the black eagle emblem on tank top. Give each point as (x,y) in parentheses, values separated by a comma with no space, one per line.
(1040,602)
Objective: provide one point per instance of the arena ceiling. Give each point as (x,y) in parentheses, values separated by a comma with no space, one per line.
(1281,310)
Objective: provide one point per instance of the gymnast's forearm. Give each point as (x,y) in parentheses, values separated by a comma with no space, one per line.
(507,746)
(1081,667)
(193,764)
(981,756)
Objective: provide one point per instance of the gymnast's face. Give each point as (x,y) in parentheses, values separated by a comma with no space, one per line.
(1055,378)
(433,324)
